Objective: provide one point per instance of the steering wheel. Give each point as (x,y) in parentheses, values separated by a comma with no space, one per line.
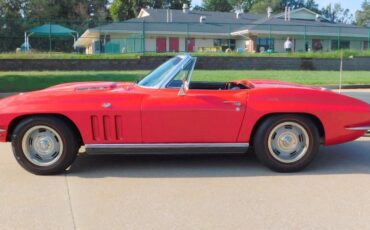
(232,86)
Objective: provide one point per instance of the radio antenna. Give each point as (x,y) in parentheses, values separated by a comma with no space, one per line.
(341,71)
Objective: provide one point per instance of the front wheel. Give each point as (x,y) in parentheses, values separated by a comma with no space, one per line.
(286,143)
(44,145)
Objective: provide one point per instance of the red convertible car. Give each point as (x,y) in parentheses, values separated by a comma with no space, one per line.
(283,123)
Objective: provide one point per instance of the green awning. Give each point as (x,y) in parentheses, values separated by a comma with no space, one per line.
(51,30)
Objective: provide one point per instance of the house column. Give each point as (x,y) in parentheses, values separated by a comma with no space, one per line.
(252,44)
(143,38)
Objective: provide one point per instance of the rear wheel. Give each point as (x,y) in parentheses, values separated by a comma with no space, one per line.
(44,145)
(286,143)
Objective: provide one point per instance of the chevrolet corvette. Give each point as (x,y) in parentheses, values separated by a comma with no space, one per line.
(283,123)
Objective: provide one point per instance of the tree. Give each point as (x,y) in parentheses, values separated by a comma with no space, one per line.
(198,8)
(363,15)
(262,5)
(66,9)
(97,9)
(312,5)
(294,4)
(164,4)
(11,24)
(11,9)
(156,4)
(118,10)
(335,13)
(126,9)
(242,5)
(217,5)
(43,9)
(178,4)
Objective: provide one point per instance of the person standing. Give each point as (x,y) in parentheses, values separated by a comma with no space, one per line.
(288,45)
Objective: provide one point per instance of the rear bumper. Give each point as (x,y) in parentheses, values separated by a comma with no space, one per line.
(359,128)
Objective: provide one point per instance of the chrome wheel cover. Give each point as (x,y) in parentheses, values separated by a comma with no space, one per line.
(288,142)
(42,145)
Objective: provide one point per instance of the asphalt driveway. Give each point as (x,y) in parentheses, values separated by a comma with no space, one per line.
(362,94)
(190,192)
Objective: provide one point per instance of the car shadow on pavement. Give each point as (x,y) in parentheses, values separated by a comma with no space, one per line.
(350,158)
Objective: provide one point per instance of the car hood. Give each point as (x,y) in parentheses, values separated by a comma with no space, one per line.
(66,93)
(91,86)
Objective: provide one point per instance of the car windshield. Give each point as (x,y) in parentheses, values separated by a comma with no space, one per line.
(160,73)
(182,76)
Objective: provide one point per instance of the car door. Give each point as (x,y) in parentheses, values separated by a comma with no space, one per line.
(201,116)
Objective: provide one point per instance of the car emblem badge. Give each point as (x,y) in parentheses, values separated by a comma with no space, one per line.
(106,105)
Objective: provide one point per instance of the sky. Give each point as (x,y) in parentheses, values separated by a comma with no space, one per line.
(353,5)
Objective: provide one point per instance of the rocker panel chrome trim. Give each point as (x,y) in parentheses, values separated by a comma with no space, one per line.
(179,145)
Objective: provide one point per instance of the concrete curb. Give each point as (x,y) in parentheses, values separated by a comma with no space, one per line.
(2,95)
(347,86)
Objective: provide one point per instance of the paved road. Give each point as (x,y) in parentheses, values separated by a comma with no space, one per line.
(362,94)
(197,192)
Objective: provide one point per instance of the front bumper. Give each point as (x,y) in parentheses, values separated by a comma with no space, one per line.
(3,134)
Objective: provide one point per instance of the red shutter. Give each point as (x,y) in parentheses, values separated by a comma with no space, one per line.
(190,44)
(161,44)
(174,44)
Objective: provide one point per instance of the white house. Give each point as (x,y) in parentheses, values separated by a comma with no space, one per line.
(161,30)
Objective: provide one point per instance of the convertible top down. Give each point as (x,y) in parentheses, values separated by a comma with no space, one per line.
(283,123)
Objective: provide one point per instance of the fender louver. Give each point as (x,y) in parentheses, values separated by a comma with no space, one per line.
(106,128)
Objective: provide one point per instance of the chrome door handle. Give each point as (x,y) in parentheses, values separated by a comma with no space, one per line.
(236,103)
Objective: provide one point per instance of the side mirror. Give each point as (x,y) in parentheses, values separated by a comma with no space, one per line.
(183,89)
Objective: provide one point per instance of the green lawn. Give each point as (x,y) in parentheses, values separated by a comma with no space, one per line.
(27,81)
(58,55)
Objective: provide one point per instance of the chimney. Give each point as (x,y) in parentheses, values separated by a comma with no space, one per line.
(185,8)
(237,15)
(317,17)
(286,14)
(202,19)
(171,16)
(168,15)
(269,12)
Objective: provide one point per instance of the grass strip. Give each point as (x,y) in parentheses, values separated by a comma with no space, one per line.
(58,55)
(28,81)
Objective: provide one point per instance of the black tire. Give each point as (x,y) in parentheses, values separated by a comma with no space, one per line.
(68,144)
(269,154)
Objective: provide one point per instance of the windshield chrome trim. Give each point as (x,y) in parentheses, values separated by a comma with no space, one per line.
(147,87)
(162,84)
(175,71)
(194,59)
(192,70)
(181,67)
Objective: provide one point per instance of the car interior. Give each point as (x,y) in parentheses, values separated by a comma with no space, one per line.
(209,85)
